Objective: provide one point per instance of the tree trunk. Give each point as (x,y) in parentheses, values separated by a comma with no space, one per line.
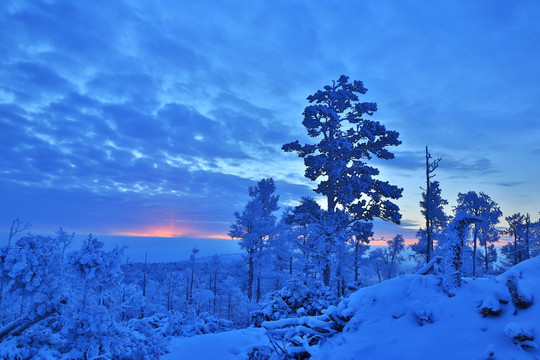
(169,294)
(16,327)
(474,252)
(527,223)
(356,259)
(250,277)
(326,273)
(229,307)
(428,225)
(290,265)
(515,249)
(144,283)
(258,289)
(486,257)
(215,289)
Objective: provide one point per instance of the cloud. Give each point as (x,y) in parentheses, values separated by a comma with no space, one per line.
(468,167)
(128,112)
(510,184)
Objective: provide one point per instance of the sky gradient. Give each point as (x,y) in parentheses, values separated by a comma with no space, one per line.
(153,118)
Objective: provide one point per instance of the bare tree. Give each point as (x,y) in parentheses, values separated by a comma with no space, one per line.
(431,166)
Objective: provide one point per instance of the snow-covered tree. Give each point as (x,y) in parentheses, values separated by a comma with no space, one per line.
(385,261)
(303,220)
(515,229)
(456,234)
(436,220)
(17,227)
(189,293)
(254,226)
(33,271)
(377,262)
(344,141)
(483,207)
(298,298)
(431,204)
(393,255)
(535,238)
(282,254)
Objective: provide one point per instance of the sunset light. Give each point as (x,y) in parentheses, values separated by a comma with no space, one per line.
(321,180)
(168,231)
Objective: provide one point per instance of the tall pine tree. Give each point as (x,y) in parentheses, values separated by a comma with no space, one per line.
(345,140)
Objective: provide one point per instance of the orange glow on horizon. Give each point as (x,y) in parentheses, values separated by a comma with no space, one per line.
(382,242)
(169,231)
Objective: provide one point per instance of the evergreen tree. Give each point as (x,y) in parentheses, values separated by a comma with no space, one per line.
(436,220)
(254,226)
(483,207)
(393,255)
(515,229)
(305,220)
(345,141)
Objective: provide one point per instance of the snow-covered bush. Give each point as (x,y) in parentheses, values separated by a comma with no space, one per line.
(489,353)
(149,343)
(298,298)
(522,335)
(73,309)
(298,338)
(490,306)
(521,296)
(33,271)
(262,352)
(423,312)
(181,324)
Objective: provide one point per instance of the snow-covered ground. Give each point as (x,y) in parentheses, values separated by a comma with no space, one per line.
(234,344)
(386,321)
(411,317)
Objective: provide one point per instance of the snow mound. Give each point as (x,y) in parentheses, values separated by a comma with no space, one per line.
(411,317)
(235,344)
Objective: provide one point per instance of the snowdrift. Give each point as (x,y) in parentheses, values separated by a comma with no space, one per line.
(411,317)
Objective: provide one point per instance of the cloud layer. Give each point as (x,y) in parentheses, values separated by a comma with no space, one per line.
(128,116)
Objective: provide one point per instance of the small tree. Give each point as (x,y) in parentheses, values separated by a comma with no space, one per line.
(483,207)
(436,220)
(515,229)
(303,220)
(393,254)
(377,262)
(456,235)
(194,252)
(255,224)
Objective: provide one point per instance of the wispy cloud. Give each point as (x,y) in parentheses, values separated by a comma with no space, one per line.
(115,114)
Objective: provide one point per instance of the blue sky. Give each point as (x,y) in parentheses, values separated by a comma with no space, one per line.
(153,118)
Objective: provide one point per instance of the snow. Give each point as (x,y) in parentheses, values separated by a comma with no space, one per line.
(388,320)
(410,317)
(235,344)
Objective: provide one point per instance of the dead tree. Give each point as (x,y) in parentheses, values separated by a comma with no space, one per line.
(430,169)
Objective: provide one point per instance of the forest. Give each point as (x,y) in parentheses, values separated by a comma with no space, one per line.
(301,262)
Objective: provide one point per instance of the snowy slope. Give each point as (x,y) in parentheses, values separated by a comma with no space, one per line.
(223,346)
(409,317)
(385,324)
